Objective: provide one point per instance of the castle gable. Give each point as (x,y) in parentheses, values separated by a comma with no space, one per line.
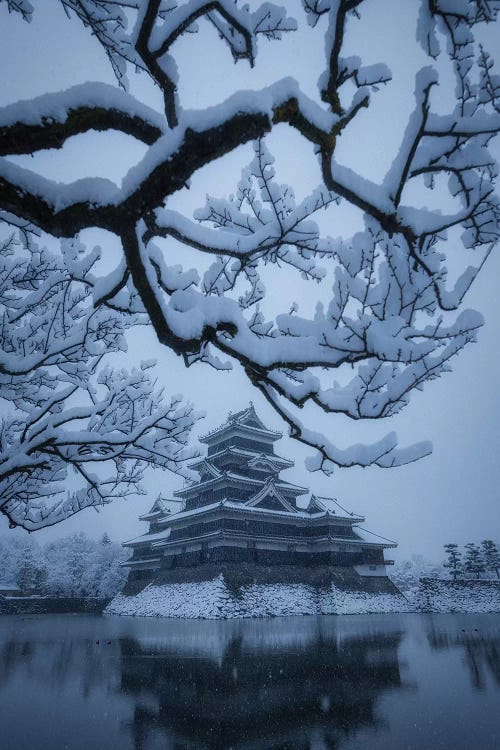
(264,464)
(248,418)
(270,498)
(315,505)
(208,471)
(161,507)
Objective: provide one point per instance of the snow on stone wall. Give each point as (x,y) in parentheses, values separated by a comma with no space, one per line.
(337,602)
(441,595)
(212,599)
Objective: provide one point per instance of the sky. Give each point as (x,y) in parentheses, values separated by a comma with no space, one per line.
(450,496)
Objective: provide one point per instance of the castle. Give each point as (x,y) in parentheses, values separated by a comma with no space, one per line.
(243,519)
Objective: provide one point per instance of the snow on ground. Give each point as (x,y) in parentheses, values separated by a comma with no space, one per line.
(212,599)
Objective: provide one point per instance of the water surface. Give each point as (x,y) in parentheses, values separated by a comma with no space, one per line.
(375,682)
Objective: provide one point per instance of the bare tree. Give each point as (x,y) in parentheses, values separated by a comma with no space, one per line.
(66,410)
(389,325)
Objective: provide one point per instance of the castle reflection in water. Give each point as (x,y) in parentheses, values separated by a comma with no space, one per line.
(257,684)
(317,683)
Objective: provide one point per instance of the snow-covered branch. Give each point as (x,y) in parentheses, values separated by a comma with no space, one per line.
(64,411)
(384,323)
(49,120)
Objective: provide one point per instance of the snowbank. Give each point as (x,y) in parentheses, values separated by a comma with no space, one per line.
(213,600)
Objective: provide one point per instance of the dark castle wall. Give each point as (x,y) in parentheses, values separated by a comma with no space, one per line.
(238,575)
(261,527)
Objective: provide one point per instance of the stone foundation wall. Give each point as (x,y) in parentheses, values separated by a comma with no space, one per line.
(239,575)
(444,595)
(31,605)
(214,599)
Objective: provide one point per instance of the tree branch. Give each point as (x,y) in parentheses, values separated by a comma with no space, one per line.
(21,138)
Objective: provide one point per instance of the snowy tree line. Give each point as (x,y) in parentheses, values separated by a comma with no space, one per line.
(389,315)
(73,566)
(406,574)
(474,561)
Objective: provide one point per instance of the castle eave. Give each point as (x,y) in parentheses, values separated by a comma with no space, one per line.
(229,477)
(321,543)
(235,507)
(147,538)
(150,562)
(219,433)
(243,453)
(151,516)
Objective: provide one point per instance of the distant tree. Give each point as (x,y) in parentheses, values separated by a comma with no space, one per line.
(13,549)
(67,560)
(473,560)
(454,560)
(491,556)
(33,572)
(104,575)
(80,566)
(75,565)
(385,321)
(105,539)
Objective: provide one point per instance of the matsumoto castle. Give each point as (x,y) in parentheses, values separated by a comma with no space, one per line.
(243,516)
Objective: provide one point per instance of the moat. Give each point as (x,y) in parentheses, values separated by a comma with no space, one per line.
(377,682)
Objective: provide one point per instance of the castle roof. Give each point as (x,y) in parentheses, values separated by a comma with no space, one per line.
(244,507)
(243,453)
(229,477)
(270,492)
(161,507)
(247,420)
(147,538)
(372,538)
(318,504)
(158,539)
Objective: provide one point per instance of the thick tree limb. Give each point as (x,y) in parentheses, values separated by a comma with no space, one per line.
(21,138)
(173,169)
(386,280)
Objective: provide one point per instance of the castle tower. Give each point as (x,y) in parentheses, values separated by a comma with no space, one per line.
(242,512)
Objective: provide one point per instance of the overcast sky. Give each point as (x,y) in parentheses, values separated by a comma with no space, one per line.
(450,496)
